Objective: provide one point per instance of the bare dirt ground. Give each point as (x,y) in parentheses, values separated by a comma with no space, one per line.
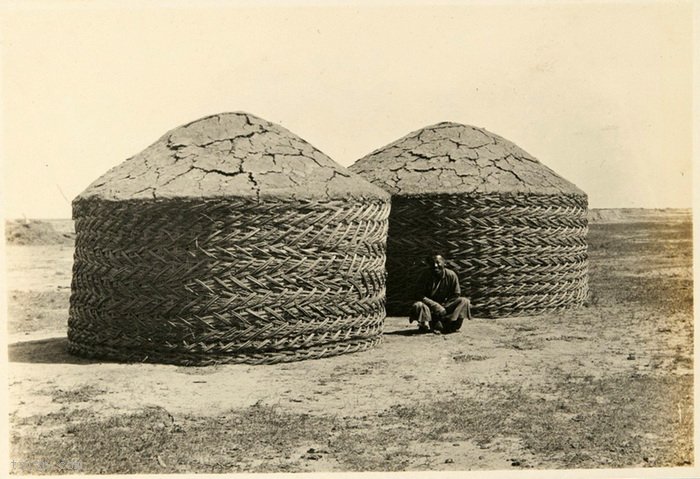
(605,386)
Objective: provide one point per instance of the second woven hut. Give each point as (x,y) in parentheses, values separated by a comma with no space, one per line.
(514,230)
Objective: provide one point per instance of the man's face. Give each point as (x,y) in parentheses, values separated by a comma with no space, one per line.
(437,265)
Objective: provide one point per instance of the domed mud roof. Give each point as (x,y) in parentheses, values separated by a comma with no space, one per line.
(455,158)
(230,155)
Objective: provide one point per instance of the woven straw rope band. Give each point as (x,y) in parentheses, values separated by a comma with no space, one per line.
(515,254)
(198,359)
(227,280)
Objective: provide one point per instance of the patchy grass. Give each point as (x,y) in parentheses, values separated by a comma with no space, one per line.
(81,394)
(35,232)
(153,441)
(521,343)
(30,311)
(665,245)
(465,358)
(594,423)
(622,420)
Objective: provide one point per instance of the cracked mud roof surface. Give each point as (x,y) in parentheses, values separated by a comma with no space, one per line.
(454,158)
(230,155)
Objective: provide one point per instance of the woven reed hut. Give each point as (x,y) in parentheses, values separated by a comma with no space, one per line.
(513,229)
(229,240)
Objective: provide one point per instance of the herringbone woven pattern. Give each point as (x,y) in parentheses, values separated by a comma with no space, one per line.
(515,254)
(206,281)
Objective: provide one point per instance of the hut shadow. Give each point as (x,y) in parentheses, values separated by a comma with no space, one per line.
(405,332)
(44,351)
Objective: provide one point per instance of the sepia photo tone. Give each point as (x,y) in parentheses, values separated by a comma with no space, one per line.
(298,237)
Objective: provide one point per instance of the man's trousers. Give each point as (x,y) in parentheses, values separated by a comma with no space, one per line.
(456,311)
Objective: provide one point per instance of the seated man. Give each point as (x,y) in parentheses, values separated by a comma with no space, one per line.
(440,308)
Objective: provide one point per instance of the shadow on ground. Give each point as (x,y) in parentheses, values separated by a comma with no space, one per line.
(404,332)
(44,351)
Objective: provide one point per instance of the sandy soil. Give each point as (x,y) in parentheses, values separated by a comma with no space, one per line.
(607,339)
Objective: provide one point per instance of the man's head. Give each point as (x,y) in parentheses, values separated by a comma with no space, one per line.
(436,263)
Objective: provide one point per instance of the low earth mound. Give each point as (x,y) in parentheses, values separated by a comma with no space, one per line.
(35,232)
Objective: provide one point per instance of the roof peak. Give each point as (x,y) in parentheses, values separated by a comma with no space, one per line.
(232,154)
(450,157)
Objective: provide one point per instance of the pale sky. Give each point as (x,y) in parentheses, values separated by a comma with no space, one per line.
(600,92)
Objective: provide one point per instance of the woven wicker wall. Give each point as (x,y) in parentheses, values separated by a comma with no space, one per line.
(515,254)
(205,281)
